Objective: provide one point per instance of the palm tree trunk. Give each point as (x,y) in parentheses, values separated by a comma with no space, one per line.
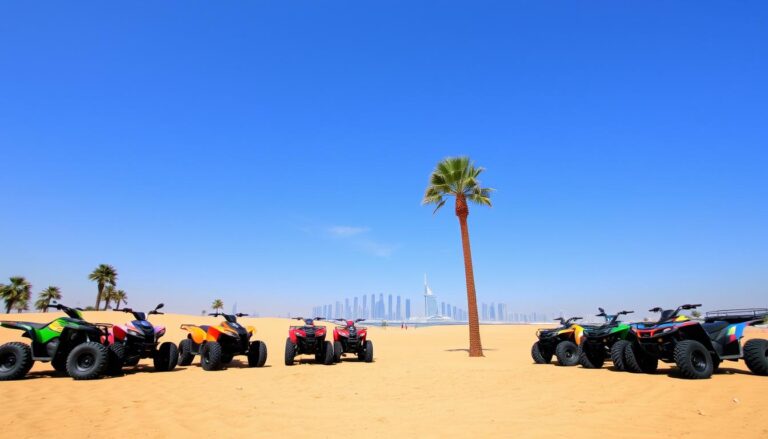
(475,346)
(98,296)
(8,306)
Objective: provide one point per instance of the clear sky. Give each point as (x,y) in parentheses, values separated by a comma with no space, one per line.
(274,154)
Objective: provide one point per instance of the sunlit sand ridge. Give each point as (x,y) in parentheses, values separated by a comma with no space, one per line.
(421,384)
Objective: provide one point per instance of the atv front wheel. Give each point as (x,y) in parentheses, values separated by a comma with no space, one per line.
(166,357)
(592,358)
(210,356)
(637,361)
(15,361)
(327,353)
(756,356)
(338,349)
(367,354)
(185,352)
(567,353)
(693,359)
(617,355)
(539,355)
(87,361)
(257,354)
(115,359)
(290,352)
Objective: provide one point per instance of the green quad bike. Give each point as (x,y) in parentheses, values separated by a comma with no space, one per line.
(605,342)
(70,343)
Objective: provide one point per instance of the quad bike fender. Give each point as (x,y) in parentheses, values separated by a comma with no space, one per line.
(251,330)
(335,334)
(293,337)
(197,334)
(578,334)
(213,334)
(117,333)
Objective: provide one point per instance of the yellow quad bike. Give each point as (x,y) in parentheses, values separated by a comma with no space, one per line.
(218,344)
(563,342)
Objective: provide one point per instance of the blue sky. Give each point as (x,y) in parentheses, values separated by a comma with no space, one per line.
(274,154)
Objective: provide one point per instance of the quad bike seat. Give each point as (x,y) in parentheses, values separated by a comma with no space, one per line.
(32,324)
(714,327)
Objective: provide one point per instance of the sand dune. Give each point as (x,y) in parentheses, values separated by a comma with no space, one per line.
(421,384)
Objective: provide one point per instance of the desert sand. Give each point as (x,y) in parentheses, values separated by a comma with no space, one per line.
(422,384)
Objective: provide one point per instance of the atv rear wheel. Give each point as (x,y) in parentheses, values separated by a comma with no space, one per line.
(693,359)
(290,352)
(591,358)
(617,355)
(367,354)
(756,356)
(87,361)
(539,355)
(210,356)
(166,357)
(15,361)
(115,359)
(257,354)
(327,353)
(185,352)
(637,361)
(338,349)
(567,353)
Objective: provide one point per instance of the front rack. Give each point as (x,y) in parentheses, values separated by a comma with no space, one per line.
(735,315)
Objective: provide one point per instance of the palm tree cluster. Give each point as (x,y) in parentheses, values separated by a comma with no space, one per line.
(19,291)
(217,305)
(105,277)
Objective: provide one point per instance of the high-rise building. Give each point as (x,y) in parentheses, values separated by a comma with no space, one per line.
(355,309)
(442,308)
(500,313)
(485,311)
(430,300)
(390,316)
(380,311)
(492,313)
(407,309)
(454,314)
(365,307)
(373,306)
(398,315)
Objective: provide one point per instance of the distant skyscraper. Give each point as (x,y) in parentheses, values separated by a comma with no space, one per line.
(390,316)
(430,300)
(500,313)
(485,311)
(493,311)
(338,310)
(365,307)
(398,315)
(442,308)
(407,309)
(355,309)
(454,315)
(373,306)
(380,312)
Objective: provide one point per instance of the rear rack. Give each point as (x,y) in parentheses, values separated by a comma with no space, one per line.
(736,315)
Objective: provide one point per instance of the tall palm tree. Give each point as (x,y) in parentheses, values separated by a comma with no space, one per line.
(217,305)
(120,296)
(457,177)
(18,290)
(108,295)
(103,275)
(44,298)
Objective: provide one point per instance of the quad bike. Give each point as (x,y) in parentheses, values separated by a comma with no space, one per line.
(70,343)
(139,339)
(348,338)
(605,342)
(218,345)
(562,341)
(698,348)
(308,339)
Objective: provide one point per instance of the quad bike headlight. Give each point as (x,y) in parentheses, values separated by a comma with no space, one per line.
(160,333)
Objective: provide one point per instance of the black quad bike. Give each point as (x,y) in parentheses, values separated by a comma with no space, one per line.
(139,339)
(308,339)
(351,339)
(70,343)
(218,345)
(698,348)
(607,341)
(563,342)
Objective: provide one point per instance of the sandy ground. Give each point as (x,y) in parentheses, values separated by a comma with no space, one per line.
(421,384)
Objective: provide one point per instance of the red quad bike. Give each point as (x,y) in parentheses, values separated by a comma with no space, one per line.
(350,339)
(308,339)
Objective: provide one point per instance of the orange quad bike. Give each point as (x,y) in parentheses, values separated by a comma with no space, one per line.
(562,342)
(217,345)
